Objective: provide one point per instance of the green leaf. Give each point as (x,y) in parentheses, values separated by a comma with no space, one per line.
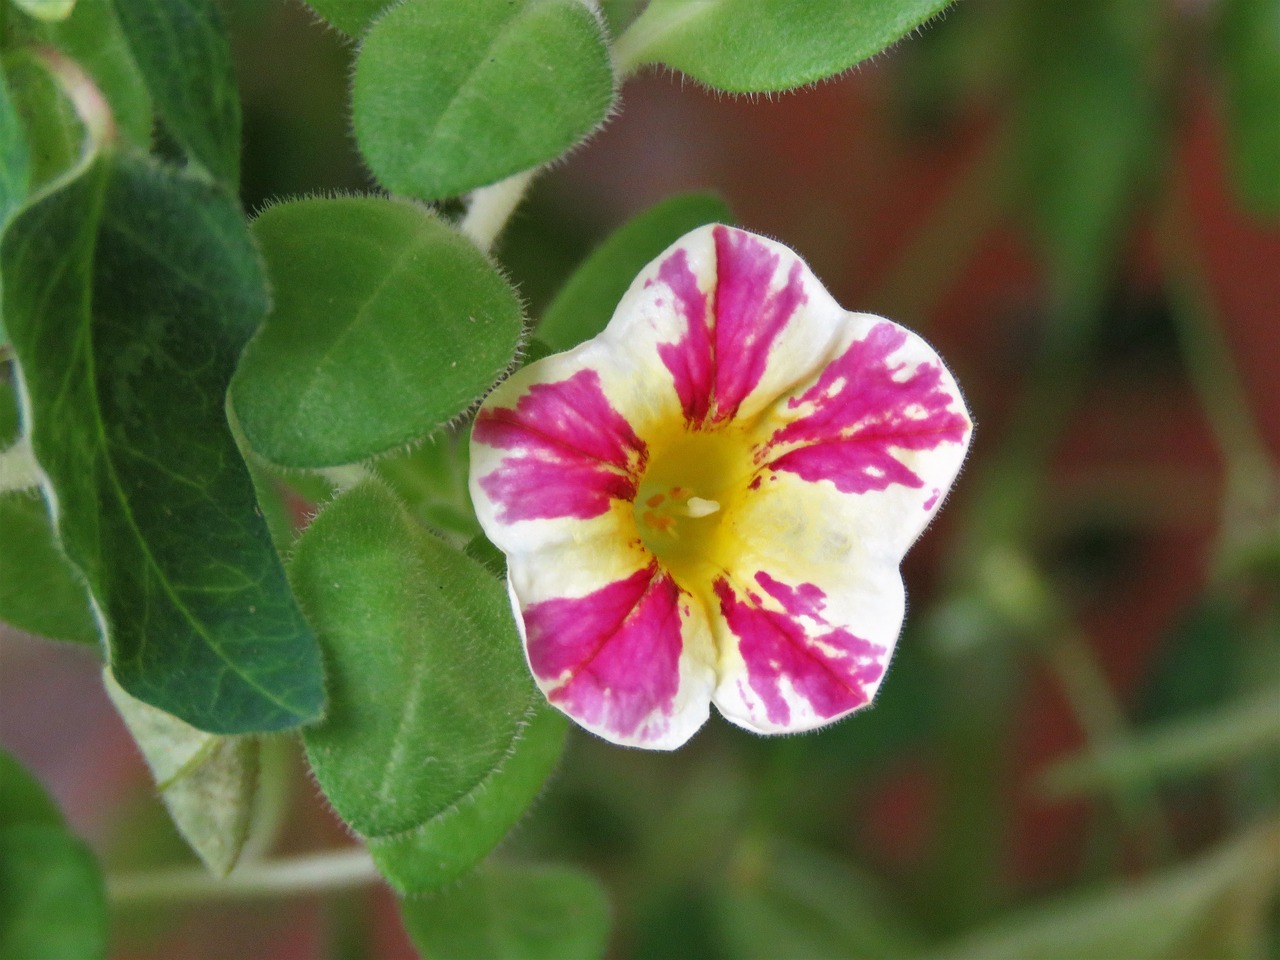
(1250,39)
(765,45)
(92,37)
(129,293)
(52,903)
(1087,135)
(40,591)
(181,49)
(496,87)
(1193,911)
(22,799)
(46,9)
(352,17)
(386,324)
(434,724)
(786,901)
(15,156)
(1198,744)
(587,300)
(207,782)
(516,913)
(458,837)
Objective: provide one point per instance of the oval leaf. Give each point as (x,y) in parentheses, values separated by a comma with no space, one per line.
(386,324)
(517,913)
(495,87)
(431,696)
(764,45)
(129,293)
(587,301)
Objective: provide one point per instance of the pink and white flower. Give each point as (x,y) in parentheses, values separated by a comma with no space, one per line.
(709,502)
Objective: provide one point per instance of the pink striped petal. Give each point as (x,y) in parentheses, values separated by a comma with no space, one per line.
(800,666)
(572,453)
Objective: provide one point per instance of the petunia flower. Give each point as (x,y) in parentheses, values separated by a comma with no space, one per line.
(709,502)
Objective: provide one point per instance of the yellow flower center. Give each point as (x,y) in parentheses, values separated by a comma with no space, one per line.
(687,500)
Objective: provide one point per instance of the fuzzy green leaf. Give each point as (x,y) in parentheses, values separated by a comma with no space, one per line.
(766,45)
(496,87)
(517,913)
(352,17)
(129,292)
(387,323)
(181,49)
(208,783)
(431,698)
(587,301)
(1250,38)
(458,837)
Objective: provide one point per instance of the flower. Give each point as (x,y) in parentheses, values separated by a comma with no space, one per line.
(709,502)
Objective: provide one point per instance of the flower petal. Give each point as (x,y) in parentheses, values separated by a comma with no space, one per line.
(629,660)
(732,320)
(883,422)
(808,616)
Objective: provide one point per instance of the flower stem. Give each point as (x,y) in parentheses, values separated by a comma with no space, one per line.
(18,467)
(312,873)
(491,207)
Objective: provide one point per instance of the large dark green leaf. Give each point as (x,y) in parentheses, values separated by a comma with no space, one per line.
(129,292)
(15,156)
(434,724)
(516,913)
(454,94)
(585,304)
(1251,62)
(763,45)
(386,324)
(48,125)
(181,49)
(92,37)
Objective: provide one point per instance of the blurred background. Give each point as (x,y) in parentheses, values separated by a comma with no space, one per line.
(1077,750)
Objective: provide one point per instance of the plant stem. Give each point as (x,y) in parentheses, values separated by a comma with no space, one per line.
(312,873)
(491,207)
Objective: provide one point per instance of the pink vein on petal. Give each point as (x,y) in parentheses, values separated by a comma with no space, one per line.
(862,410)
(617,650)
(724,351)
(826,666)
(574,452)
